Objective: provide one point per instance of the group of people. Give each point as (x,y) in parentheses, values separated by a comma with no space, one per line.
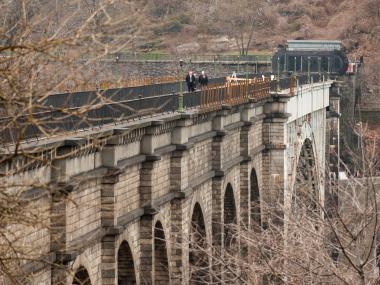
(191,81)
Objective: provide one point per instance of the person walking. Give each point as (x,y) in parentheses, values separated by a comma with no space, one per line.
(203,80)
(190,81)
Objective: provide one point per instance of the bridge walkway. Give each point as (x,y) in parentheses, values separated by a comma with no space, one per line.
(79,111)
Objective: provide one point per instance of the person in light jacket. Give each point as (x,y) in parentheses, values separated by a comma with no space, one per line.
(203,80)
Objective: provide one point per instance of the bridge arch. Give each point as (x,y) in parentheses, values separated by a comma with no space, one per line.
(198,257)
(81,277)
(305,192)
(161,265)
(229,214)
(255,205)
(125,265)
(82,266)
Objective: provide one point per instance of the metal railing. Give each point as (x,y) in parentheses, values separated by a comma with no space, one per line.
(234,93)
(139,56)
(122,83)
(88,110)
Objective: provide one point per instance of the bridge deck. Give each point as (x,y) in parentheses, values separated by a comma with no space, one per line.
(62,113)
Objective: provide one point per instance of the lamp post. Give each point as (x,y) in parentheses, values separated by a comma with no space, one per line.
(278,74)
(246,70)
(215,58)
(295,65)
(246,79)
(328,68)
(270,64)
(180,97)
(319,67)
(308,68)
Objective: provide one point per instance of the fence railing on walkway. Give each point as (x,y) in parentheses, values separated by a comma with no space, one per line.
(122,83)
(85,110)
(234,93)
(140,56)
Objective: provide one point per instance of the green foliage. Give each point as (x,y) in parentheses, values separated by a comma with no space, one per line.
(174,25)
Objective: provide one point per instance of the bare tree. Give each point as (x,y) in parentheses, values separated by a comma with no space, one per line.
(313,243)
(240,20)
(44,47)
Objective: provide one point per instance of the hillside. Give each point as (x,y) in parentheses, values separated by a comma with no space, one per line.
(198,28)
(210,26)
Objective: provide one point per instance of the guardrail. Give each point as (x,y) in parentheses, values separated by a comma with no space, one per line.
(234,93)
(189,57)
(123,83)
(89,110)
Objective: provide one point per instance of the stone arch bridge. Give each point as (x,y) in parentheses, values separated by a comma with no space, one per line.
(126,208)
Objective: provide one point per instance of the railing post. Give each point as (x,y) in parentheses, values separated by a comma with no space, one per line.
(278,74)
(328,69)
(293,84)
(180,96)
(285,63)
(270,64)
(246,80)
(215,65)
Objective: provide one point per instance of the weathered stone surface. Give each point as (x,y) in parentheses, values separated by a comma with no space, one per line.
(120,196)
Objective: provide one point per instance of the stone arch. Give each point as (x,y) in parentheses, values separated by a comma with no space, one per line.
(82,261)
(255,205)
(125,265)
(229,206)
(305,194)
(161,265)
(198,257)
(81,277)
(229,214)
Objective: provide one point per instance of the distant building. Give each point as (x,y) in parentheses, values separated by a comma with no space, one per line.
(311,56)
(313,45)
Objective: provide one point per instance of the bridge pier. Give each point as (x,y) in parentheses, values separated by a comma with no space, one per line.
(58,236)
(178,242)
(146,249)
(107,242)
(245,168)
(274,161)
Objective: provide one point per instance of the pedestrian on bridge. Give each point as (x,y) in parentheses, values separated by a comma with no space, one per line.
(203,80)
(190,81)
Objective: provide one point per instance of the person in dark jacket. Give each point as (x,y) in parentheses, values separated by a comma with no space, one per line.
(190,81)
(203,80)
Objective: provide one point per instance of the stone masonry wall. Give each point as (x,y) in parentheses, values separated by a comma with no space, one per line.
(123,192)
(127,191)
(199,160)
(161,177)
(83,212)
(125,70)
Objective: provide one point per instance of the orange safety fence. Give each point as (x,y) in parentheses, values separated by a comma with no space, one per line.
(234,93)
